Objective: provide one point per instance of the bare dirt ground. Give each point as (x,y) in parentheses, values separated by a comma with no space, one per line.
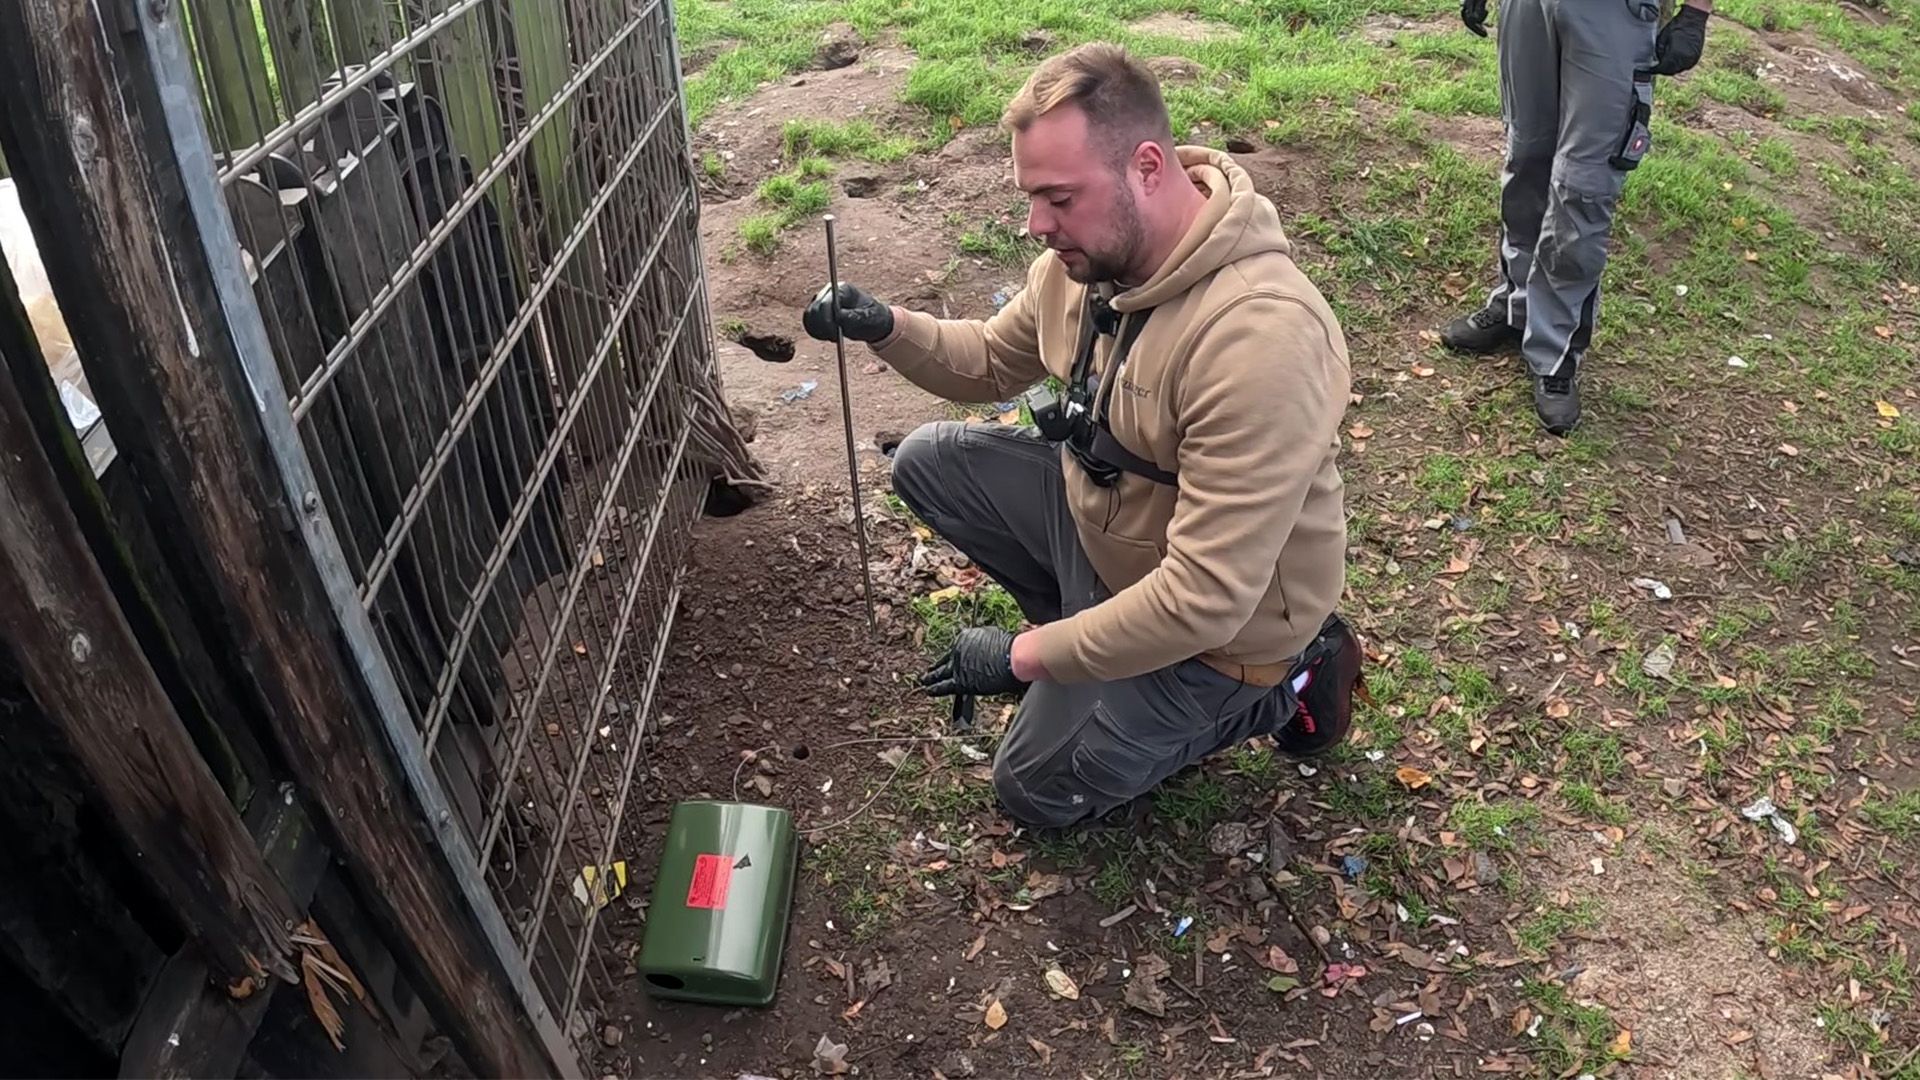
(1532,859)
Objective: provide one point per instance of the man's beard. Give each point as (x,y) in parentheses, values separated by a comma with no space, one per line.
(1114,262)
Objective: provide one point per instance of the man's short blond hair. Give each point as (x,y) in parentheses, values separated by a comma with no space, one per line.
(1119,95)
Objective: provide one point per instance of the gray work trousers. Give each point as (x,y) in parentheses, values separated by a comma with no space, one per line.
(1073,750)
(1574,116)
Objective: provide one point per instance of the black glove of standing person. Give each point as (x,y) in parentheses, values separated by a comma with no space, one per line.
(1680,42)
(980,663)
(1474,14)
(862,318)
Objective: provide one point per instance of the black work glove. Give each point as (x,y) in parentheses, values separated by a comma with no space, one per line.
(1474,14)
(862,318)
(1678,47)
(980,663)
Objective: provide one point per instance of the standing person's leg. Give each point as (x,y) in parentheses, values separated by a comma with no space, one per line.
(1603,133)
(1530,107)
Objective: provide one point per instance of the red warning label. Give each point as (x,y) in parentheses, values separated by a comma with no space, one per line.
(711,876)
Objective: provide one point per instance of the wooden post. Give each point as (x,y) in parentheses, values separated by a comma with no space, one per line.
(188,421)
(80,661)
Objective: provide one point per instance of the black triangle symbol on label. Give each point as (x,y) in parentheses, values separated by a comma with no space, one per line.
(743,863)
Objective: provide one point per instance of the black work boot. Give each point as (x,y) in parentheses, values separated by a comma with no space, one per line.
(1483,331)
(1556,397)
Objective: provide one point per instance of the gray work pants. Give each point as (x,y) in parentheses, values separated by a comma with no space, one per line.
(1078,750)
(1569,97)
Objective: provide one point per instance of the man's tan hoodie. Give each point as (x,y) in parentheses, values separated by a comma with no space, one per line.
(1237,384)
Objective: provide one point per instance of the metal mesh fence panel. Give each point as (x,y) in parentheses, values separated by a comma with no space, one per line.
(470,228)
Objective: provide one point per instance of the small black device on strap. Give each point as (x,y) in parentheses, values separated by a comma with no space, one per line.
(1079,421)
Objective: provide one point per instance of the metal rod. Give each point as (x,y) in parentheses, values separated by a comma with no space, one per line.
(846,417)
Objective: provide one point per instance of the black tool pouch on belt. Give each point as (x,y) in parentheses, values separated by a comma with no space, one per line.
(1639,131)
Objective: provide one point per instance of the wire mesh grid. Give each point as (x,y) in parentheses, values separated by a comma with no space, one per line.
(471,229)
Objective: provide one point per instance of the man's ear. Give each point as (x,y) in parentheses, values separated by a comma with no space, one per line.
(1150,164)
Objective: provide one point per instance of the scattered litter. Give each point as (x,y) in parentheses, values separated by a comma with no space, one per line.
(1353,866)
(1280,984)
(1185,924)
(996,1015)
(1376,756)
(1736,362)
(1659,589)
(1119,917)
(1674,786)
(1599,867)
(1408,1018)
(1461,523)
(1308,770)
(1659,662)
(1424,1032)
(1533,1029)
(1062,984)
(798,393)
(971,752)
(1764,810)
(1679,290)
(829,1057)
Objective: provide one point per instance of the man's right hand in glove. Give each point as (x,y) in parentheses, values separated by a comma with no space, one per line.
(1474,14)
(862,318)
(980,663)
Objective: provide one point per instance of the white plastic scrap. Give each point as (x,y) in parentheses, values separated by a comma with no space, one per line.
(1657,588)
(1763,810)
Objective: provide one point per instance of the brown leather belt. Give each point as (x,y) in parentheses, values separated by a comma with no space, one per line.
(1251,674)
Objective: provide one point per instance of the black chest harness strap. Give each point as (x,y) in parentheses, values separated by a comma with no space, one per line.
(1093,443)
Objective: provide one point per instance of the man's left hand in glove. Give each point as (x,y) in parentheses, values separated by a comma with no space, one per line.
(980,663)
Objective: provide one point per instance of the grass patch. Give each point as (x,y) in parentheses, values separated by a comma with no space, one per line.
(1541,932)
(793,196)
(1000,243)
(852,139)
(1897,817)
(1491,826)
(946,615)
(1730,626)
(1588,802)
(1578,1036)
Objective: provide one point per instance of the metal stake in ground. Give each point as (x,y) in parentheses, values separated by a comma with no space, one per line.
(846,417)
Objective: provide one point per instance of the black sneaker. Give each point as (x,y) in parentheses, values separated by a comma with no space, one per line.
(1556,398)
(1484,331)
(1326,679)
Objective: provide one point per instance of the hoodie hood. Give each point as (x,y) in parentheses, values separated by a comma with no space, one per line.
(1238,223)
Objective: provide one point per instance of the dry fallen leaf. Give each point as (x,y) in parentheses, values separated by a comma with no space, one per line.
(973,950)
(1559,709)
(1413,778)
(941,595)
(1885,332)
(580,648)
(996,1015)
(1360,431)
(1622,1044)
(1045,1051)
(1422,371)
(1062,984)
(1789,449)
(1887,409)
